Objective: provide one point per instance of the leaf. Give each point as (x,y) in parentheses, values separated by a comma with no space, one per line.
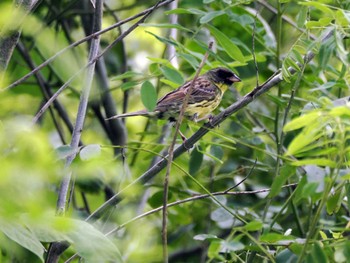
(163,39)
(210,16)
(334,201)
(280,180)
(302,121)
(21,235)
(318,6)
(172,75)
(64,151)
(227,246)
(156,200)
(318,254)
(316,161)
(196,160)
(272,237)
(185,11)
(126,75)
(230,48)
(91,244)
(253,226)
(202,237)
(148,96)
(164,25)
(90,151)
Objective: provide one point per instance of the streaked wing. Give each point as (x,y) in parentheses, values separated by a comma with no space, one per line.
(204,90)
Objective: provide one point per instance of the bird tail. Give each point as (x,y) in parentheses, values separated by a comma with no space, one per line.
(131,114)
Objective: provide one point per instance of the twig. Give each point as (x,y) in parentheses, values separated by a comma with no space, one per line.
(245,178)
(171,155)
(191,199)
(77,43)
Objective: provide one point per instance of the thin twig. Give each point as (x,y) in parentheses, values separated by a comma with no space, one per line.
(245,178)
(171,155)
(191,199)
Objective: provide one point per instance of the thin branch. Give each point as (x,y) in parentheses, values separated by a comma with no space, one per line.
(191,199)
(77,43)
(171,155)
(78,128)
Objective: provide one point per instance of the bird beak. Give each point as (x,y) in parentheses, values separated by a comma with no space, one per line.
(234,79)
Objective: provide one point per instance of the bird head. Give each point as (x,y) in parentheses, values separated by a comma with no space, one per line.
(223,75)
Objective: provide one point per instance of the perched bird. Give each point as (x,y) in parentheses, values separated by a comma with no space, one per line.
(206,95)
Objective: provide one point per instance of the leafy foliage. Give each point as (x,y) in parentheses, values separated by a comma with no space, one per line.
(270,184)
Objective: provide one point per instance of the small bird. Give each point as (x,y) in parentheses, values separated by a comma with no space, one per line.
(206,95)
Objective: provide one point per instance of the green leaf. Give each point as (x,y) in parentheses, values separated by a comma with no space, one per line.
(148,96)
(128,85)
(25,238)
(202,237)
(156,200)
(318,6)
(163,39)
(253,226)
(230,48)
(316,161)
(302,121)
(228,246)
(64,151)
(172,75)
(272,237)
(196,160)
(177,26)
(126,75)
(192,11)
(91,244)
(334,201)
(90,151)
(279,181)
(210,16)
(318,254)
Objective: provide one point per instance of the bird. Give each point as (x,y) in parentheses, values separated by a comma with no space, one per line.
(205,97)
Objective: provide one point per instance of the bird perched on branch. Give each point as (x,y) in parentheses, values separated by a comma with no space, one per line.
(205,96)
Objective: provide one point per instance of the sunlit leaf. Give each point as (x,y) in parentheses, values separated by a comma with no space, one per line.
(230,48)
(21,235)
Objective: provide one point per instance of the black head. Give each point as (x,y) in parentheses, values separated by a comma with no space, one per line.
(223,75)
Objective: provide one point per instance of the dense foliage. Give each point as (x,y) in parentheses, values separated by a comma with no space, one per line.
(269,184)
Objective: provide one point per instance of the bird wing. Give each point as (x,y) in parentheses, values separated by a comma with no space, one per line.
(203,90)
